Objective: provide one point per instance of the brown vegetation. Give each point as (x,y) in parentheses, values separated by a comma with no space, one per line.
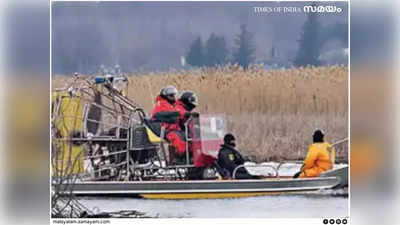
(272,112)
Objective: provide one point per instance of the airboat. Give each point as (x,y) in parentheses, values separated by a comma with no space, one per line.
(104,144)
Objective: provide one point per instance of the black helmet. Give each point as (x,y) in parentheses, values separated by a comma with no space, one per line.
(189,99)
(318,136)
(229,139)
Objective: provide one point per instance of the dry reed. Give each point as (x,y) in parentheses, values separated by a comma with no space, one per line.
(272,112)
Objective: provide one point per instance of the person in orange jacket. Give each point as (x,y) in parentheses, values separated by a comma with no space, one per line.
(320,157)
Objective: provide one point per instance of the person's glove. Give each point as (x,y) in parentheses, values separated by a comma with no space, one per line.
(195,114)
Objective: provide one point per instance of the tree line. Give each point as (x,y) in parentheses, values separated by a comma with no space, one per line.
(215,52)
(84,44)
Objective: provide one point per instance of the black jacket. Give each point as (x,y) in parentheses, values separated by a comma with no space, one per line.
(228,159)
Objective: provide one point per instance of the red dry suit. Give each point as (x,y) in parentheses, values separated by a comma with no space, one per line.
(174,133)
(162,105)
(183,113)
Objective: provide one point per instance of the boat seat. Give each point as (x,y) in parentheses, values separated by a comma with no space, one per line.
(153,138)
(156,135)
(154,130)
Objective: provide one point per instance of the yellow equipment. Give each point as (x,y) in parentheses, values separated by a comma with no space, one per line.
(67,157)
(153,138)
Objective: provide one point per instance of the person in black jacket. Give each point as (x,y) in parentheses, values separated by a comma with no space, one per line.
(229,158)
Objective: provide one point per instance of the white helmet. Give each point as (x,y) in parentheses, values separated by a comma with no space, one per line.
(168,90)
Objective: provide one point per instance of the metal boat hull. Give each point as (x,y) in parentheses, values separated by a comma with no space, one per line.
(341,173)
(209,188)
(203,189)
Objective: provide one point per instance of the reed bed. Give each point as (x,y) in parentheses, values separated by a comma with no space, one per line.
(272,112)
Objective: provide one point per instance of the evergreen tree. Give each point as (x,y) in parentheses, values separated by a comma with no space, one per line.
(273,53)
(309,42)
(195,55)
(216,51)
(243,54)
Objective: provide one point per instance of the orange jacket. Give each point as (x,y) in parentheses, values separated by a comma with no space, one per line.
(320,158)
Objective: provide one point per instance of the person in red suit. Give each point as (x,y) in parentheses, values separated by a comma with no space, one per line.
(164,110)
(185,105)
(173,114)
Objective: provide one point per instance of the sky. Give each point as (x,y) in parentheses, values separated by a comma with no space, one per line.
(154,35)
